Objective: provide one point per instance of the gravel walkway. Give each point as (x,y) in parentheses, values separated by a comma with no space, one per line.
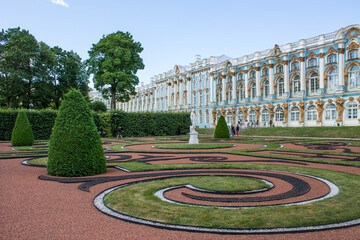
(35,209)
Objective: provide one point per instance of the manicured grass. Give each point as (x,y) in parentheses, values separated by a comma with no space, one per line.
(194,146)
(330,132)
(39,161)
(139,200)
(226,183)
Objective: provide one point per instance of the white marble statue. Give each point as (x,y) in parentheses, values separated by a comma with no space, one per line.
(193,134)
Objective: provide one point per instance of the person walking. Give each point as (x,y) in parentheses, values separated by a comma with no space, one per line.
(237,129)
(232,130)
(119,132)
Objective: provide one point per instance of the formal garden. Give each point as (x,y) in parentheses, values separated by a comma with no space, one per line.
(231,184)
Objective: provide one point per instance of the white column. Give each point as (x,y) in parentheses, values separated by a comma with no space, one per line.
(234,88)
(271,79)
(258,93)
(246,84)
(224,90)
(286,77)
(168,95)
(188,91)
(175,88)
(341,51)
(151,102)
(302,73)
(155,99)
(181,92)
(321,69)
(213,89)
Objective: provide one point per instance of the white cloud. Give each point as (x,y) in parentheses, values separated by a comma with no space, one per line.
(60,2)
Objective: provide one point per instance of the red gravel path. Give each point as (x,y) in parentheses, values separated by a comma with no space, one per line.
(35,209)
(148,147)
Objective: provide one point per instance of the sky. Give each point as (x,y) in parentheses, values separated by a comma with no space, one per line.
(174,31)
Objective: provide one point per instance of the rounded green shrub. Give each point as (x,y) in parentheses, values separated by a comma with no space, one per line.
(75,146)
(221,130)
(98,106)
(22,134)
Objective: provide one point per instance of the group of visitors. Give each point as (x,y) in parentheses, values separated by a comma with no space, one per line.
(235,128)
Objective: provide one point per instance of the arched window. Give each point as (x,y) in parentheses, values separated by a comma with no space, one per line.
(241,116)
(219,81)
(314,83)
(201,98)
(218,115)
(229,118)
(330,112)
(219,95)
(311,113)
(295,66)
(252,90)
(185,98)
(280,87)
(252,74)
(312,62)
(252,116)
(353,54)
(332,82)
(241,92)
(207,96)
(354,78)
(229,93)
(207,83)
(279,114)
(265,72)
(240,77)
(352,110)
(200,117)
(266,89)
(200,84)
(296,85)
(229,79)
(193,85)
(295,114)
(279,69)
(194,99)
(206,117)
(331,58)
(265,116)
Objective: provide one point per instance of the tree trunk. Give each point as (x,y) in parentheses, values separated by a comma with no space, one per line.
(113,102)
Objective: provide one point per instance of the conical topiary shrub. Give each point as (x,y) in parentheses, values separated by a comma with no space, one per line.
(75,145)
(22,135)
(221,130)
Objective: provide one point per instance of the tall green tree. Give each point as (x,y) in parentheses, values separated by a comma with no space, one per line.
(114,61)
(69,72)
(18,51)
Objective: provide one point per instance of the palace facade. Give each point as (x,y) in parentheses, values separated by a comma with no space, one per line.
(312,82)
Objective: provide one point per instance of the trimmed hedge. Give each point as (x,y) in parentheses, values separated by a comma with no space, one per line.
(134,124)
(221,130)
(140,124)
(41,122)
(22,134)
(75,146)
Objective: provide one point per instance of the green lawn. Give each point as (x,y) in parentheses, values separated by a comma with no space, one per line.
(194,146)
(327,132)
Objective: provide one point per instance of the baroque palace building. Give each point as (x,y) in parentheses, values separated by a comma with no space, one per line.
(311,82)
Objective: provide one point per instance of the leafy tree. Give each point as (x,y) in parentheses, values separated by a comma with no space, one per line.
(114,61)
(18,50)
(98,106)
(69,72)
(75,145)
(221,130)
(22,134)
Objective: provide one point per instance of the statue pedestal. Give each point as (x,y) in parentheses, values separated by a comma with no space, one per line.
(193,137)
